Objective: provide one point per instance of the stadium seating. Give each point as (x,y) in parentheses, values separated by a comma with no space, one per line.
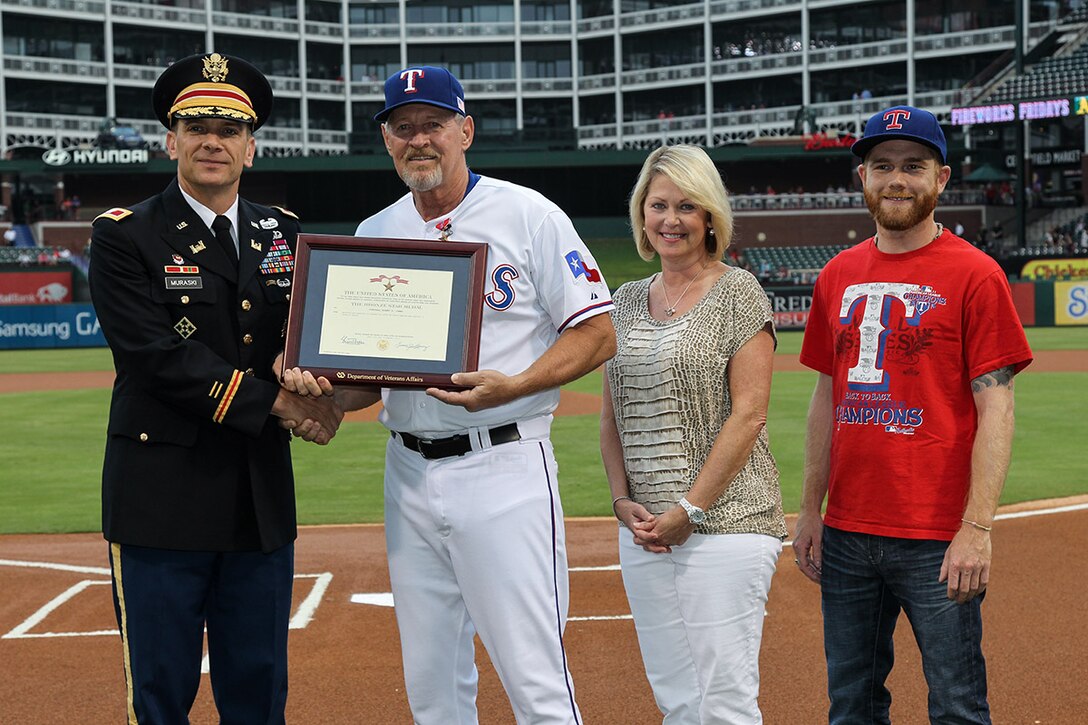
(789,265)
(1049,78)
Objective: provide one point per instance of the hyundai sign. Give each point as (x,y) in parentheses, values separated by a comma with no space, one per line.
(95,157)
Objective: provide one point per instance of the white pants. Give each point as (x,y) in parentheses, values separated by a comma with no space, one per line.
(476,544)
(699,617)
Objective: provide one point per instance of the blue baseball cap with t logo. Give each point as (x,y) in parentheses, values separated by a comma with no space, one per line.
(902,122)
(423,84)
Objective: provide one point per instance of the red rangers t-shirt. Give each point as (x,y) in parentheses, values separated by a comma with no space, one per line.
(902,336)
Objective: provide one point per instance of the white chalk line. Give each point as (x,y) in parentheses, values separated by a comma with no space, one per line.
(301,618)
(308,607)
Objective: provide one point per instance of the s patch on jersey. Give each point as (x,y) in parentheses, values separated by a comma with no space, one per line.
(502,296)
(579,268)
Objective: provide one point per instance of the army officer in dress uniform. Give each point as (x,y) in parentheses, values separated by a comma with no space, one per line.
(191,287)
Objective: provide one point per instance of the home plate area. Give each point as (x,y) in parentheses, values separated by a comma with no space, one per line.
(60,657)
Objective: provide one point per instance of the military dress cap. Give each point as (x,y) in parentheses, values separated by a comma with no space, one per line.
(212,85)
(902,122)
(422,84)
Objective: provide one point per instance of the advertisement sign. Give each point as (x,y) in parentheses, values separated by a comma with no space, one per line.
(1055,269)
(790,306)
(47,326)
(1071,303)
(1023,111)
(35,288)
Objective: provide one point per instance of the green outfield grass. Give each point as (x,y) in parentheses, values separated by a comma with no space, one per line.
(789,343)
(52,452)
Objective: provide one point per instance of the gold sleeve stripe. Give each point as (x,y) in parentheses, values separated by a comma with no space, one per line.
(217,388)
(115,555)
(228,397)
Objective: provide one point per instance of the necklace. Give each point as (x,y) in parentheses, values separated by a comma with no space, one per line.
(670,308)
(940,231)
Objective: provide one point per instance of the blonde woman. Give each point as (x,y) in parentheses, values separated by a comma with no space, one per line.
(685,447)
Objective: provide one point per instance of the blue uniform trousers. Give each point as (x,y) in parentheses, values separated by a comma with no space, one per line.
(164,599)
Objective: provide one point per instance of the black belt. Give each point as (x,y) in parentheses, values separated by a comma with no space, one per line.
(457,445)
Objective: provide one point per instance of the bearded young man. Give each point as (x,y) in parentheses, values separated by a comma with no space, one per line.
(916,340)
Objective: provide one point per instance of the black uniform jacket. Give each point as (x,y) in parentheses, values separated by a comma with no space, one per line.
(193,459)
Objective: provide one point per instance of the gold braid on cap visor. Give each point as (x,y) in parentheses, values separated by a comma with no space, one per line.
(221,99)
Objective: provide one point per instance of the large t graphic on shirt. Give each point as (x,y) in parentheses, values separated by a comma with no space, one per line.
(878,299)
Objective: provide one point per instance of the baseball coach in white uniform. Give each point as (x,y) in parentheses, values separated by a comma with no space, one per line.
(474,526)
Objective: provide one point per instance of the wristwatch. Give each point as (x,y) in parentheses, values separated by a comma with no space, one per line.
(695,514)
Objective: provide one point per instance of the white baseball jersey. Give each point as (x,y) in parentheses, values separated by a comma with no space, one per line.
(540,280)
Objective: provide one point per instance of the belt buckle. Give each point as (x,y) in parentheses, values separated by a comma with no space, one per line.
(419,447)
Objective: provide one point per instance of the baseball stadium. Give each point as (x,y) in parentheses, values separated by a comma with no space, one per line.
(568,99)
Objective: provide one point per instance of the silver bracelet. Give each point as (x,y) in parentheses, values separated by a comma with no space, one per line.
(615,501)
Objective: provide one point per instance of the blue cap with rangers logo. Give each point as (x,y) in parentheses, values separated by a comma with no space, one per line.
(902,122)
(423,84)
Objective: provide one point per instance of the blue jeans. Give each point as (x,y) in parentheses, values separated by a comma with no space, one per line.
(866,581)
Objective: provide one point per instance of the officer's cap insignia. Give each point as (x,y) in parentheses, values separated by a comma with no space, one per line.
(198,247)
(182,225)
(215,68)
(116,213)
(255,244)
(184,327)
(197,86)
(288,212)
(269,223)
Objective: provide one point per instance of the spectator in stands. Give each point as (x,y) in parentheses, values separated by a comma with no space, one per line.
(982,239)
(909,434)
(686,457)
(9,237)
(958,230)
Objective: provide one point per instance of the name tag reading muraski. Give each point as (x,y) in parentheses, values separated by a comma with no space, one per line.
(184,283)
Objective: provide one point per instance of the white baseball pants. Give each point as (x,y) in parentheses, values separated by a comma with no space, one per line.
(476,544)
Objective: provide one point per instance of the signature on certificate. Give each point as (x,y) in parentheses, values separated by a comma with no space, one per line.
(413,346)
(352,340)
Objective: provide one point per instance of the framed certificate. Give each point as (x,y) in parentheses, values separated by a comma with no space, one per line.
(385,312)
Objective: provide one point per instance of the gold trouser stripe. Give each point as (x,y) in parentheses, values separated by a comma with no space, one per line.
(115,553)
(228,397)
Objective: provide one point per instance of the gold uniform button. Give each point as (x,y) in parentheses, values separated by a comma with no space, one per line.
(185,299)
(247,339)
(143,437)
(246,305)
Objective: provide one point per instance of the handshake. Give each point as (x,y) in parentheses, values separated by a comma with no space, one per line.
(310,408)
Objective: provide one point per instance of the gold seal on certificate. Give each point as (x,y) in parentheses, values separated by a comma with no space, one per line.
(386,312)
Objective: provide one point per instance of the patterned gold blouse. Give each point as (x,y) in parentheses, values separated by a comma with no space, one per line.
(670,394)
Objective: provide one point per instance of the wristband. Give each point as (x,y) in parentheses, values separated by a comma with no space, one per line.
(977,525)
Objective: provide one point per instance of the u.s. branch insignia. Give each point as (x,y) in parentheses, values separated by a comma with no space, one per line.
(215,67)
(184,327)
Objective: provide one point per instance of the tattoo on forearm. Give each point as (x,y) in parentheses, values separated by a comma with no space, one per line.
(1001,376)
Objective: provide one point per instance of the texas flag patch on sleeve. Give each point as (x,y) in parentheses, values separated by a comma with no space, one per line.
(579,268)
